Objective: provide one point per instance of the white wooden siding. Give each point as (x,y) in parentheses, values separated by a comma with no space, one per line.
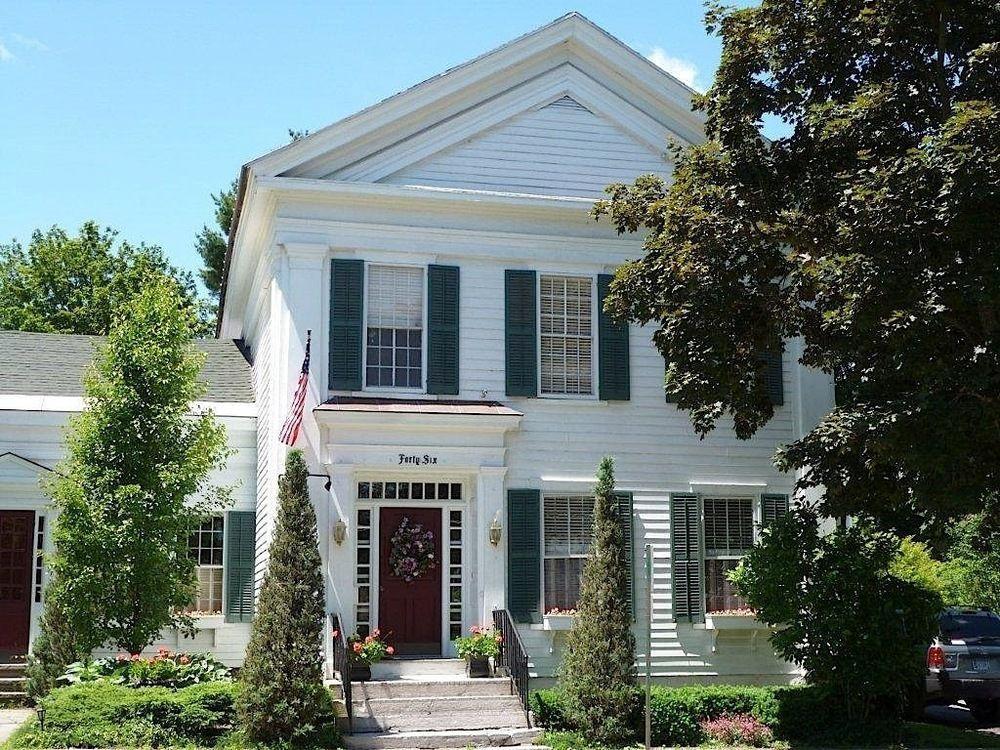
(560,149)
(263,386)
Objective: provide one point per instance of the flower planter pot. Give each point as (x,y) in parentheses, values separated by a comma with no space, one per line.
(361,672)
(477,666)
(558,622)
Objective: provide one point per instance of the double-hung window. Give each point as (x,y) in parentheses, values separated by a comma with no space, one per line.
(729,535)
(205,546)
(394,352)
(568,524)
(566,328)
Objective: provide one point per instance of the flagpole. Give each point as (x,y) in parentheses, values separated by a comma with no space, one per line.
(649,638)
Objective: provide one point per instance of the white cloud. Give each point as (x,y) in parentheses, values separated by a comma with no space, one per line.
(30,42)
(684,70)
(5,54)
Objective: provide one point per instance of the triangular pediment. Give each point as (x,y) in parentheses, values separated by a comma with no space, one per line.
(561,148)
(15,468)
(568,74)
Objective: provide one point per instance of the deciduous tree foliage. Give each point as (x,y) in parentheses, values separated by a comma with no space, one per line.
(136,479)
(598,667)
(283,697)
(868,229)
(858,630)
(76,284)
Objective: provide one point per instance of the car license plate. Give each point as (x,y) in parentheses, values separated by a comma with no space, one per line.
(981,663)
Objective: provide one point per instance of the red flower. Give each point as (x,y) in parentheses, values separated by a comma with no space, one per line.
(390,650)
(357,648)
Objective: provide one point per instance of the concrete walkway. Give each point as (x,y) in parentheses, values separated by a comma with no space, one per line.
(11,719)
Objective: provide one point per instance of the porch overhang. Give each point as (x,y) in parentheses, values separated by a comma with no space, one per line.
(414,433)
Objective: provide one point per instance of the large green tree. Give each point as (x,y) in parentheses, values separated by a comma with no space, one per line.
(283,697)
(63,283)
(137,478)
(868,228)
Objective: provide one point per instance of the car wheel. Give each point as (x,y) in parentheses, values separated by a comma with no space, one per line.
(984,710)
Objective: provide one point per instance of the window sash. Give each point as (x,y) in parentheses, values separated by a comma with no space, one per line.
(728,526)
(567,532)
(206,546)
(566,335)
(394,327)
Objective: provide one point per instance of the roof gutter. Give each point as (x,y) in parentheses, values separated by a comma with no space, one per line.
(241,190)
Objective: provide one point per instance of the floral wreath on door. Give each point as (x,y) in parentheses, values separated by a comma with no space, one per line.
(412,552)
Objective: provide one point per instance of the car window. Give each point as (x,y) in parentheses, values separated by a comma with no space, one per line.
(970,627)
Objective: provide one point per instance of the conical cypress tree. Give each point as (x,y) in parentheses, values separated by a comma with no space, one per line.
(598,668)
(283,697)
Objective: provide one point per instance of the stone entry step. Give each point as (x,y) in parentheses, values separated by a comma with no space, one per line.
(444,739)
(484,687)
(438,712)
(12,686)
(419,669)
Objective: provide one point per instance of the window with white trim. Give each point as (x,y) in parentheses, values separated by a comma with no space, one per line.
(566,325)
(729,535)
(394,350)
(205,546)
(567,530)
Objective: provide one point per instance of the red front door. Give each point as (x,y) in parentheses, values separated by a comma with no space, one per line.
(16,530)
(409,611)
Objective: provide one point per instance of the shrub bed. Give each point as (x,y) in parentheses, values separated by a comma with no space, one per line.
(103,714)
(678,714)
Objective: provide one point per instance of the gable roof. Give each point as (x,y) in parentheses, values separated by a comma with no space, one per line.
(569,56)
(53,364)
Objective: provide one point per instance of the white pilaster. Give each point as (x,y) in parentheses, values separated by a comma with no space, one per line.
(491,560)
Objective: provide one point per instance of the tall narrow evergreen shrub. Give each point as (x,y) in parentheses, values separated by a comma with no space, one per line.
(598,668)
(283,698)
(54,648)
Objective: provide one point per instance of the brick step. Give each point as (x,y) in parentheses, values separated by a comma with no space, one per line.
(430,740)
(481,687)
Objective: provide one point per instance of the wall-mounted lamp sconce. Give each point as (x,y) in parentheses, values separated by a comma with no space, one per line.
(339,531)
(327,483)
(496,531)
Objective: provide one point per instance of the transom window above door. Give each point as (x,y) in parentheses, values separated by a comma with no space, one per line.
(566,325)
(394,349)
(409,490)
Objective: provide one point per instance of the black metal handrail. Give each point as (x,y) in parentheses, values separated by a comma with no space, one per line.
(513,657)
(342,665)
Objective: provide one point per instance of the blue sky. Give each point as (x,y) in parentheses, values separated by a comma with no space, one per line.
(133,113)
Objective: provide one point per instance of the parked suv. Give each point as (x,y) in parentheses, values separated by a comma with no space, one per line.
(963,662)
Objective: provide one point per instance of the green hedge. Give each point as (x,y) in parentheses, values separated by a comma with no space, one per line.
(676,713)
(100,714)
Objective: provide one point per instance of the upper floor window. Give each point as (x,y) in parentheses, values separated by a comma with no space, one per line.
(567,335)
(729,534)
(394,353)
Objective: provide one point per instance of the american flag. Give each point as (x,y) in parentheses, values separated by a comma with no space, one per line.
(290,430)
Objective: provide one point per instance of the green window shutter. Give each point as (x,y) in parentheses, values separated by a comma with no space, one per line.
(524,584)
(773,381)
(347,295)
(626,516)
(772,506)
(241,533)
(612,349)
(686,557)
(442,330)
(521,358)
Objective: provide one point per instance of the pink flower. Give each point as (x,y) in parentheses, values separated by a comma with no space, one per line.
(390,650)
(184,659)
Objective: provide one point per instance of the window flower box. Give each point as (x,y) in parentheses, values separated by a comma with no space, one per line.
(734,620)
(208,620)
(557,621)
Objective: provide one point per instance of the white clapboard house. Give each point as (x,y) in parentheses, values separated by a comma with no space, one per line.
(463,375)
